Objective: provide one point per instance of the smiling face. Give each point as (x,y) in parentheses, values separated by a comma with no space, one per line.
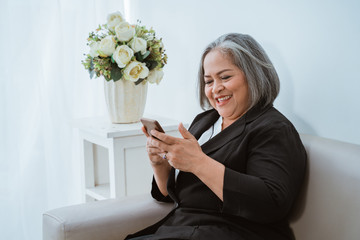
(225,86)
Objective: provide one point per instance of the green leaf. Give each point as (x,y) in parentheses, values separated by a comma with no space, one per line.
(106,78)
(139,57)
(112,59)
(91,69)
(146,54)
(91,64)
(116,73)
(151,65)
(92,73)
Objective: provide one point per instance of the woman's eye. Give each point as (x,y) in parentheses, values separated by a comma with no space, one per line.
(225,77)
(207,82)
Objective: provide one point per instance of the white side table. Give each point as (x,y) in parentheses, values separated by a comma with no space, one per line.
(127,170)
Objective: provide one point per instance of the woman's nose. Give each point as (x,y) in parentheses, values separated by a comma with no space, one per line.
(217,87)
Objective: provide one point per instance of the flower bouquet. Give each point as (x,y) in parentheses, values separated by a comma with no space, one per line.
(127,56)
(119,50)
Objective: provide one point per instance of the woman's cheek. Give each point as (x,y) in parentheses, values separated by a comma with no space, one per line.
(208,92)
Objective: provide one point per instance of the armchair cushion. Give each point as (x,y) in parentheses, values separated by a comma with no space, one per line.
(329,206)
(105,220)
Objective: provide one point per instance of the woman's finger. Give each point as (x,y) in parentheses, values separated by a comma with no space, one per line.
(144,131)
(164,147)
(153,150)
(184,132)
(164,137)
(150,144)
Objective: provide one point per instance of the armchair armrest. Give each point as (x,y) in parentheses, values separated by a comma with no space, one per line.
(107,219)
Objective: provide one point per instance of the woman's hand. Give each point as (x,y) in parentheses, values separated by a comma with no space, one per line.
(160,166)
(184,153)
(155,154)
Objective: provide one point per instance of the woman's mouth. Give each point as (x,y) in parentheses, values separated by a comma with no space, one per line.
(222,99)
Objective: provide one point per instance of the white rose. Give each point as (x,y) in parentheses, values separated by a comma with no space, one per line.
(124,31)
(155,76)
(94,47)
(139,45)
(107,46)
(113,20)
(135,70)
(149,37)
(123,55)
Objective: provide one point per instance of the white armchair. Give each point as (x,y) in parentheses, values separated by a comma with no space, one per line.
(328,208)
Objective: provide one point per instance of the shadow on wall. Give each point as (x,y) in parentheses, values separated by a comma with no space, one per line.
(285,101)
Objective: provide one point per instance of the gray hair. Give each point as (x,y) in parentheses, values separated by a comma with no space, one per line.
(247,54)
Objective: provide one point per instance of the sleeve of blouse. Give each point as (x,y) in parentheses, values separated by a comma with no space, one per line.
(274,174)
(156,194)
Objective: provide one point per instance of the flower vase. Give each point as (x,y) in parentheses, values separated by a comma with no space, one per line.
(125,101)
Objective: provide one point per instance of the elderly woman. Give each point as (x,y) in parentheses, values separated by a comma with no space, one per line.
(237,171)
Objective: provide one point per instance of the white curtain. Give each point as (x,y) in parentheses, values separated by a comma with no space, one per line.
(43,88)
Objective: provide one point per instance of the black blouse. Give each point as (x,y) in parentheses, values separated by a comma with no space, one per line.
(265,163)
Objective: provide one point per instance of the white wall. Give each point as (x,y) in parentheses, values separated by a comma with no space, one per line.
(314,46)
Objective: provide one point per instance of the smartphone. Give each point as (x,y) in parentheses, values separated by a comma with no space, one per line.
(151,124)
